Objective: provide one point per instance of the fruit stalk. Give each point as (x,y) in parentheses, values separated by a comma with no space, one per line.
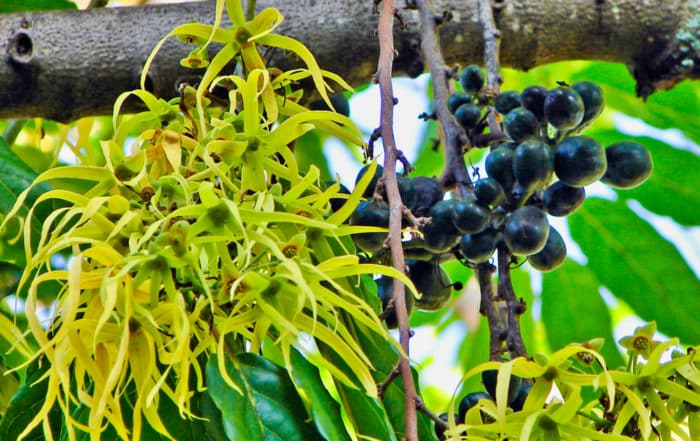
(383,77)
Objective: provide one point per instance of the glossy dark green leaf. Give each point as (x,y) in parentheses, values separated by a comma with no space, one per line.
(639,266)
(267,406)
(35,5)
(574,311)
(308,150)
(672,188)
(325,411)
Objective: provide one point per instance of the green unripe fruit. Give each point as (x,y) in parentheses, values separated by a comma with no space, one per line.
(561,200)
(533,98)
(579,161)
(520,124)
(457,99)
(499,166)
(385,291)
(479,247)
(532,164)
(468,115)
(526,230)
(488,192)
(506,101)
(369,191)
(469,217)
(472,79)
(563,108)
(123,173)
(629,164)
(592,97)
(552,255)
(432,282)
(369,215)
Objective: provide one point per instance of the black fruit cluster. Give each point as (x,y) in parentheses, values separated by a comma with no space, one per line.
(518,389)
(541,167)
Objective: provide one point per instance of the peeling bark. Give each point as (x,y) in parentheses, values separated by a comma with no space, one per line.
(67,64)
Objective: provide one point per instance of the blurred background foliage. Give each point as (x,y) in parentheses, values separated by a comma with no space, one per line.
(634,255)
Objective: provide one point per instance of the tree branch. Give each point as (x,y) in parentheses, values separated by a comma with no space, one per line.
(383,77)
(67,64)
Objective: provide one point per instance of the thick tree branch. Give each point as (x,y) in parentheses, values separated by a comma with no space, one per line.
(383,77)
(68,64)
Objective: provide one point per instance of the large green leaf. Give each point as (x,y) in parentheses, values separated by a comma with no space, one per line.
(325,411)
(630,258)
(35,5)
(671,190)
(266,405)
(574,311)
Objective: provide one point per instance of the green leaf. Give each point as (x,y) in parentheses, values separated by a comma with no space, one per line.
(308,149)
(325,411)
(269,407)
(671,190)
(630,258)
(574,311)
(35,5)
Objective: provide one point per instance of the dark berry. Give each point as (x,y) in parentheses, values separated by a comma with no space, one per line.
(469,217)
(533,98)
(472,79)
(457,99)
(468,115)
(440,235)
(526,230)
(385,291)
(489,378)
(367,214)
(552,255)
(629,164)
(506,101)
(561,200)
(488,192)
(479,247)
(592,97)
(532,164)
(369,191)
(579,161)
(440,430)
(469,401)
(336,202)
(426,193)
(520,124)
(339,101)
(432,282)
(520,397)
(563,108)
(499,166)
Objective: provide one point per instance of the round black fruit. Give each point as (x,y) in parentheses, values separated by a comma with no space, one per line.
(472,79)
(532,164)
(440,235)
(479,247)
(563,108)
(499,166)
(490,380)
(468,115)
(457,99)
(339,101)
(506,101)
(520,124)
(369,215)
(526,230)
(579,161)
(426,193)
(592,97)
(561,200)
(552,255)
(520,397)
(533,98)
(336,203)
(469,217)
(440,430)
(432,282)
(385,290)
(629,164)
(488,192)
(469,401)
(369,191)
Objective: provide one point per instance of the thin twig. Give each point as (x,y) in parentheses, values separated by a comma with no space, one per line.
(381,387)
(497,328)
(383,76)
(515,307)
(420,405)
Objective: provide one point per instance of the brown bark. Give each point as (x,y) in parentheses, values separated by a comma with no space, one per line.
(67,64)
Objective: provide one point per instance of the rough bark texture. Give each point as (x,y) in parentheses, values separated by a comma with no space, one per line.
(67,64)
